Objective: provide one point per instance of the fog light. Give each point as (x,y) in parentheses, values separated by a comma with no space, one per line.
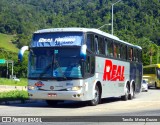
(78,95)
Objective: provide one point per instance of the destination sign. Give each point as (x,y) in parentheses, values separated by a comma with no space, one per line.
(57,39)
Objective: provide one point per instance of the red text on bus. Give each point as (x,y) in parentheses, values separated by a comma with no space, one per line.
(113,72)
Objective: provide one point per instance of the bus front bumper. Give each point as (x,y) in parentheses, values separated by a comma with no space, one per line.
(56,95)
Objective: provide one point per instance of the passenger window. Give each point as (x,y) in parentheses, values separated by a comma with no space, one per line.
(124,52)
(90,42)
(101,46)
(135,55)
(106,48)
(88,64)
(140,56)
(130,53)
(109,48)
(96,45)
(116,50)
(158,72)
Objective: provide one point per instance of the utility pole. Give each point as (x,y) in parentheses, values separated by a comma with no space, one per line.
(112,13)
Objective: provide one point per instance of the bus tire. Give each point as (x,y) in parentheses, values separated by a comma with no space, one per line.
(126,96)
(132,93)
(52,102)
(156,85)
(97,97)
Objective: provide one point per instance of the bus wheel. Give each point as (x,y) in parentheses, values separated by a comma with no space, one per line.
(156,85)
(132,93)
(52,102)
(97,97)
(126,96)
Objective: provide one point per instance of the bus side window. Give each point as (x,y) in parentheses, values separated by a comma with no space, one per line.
(140,55)
(106,47)
(90,42)
(96,45)
(119,51)
(109,48)
(88,64)
(116,49)
(158,72)
(101,46)
(130,53)
(134,54)
(124,52)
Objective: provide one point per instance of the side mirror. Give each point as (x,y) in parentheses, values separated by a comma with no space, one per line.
(83,52)
(21,52)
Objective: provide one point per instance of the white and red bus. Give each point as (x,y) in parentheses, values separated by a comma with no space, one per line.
(82,64)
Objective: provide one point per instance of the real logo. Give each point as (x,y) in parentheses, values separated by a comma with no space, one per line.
(45,40)
(113,72)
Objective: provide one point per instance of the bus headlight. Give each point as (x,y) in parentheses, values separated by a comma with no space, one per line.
(75,88)
(31,87)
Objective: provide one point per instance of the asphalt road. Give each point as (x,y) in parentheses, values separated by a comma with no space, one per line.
(145,104)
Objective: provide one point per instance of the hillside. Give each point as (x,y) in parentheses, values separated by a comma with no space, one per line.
(138,18)
(6,43)
(9,51)
(135,21)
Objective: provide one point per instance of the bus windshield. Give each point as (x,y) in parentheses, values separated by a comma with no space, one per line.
(59,62)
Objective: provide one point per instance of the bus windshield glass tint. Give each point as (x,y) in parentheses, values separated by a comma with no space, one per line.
(55,63)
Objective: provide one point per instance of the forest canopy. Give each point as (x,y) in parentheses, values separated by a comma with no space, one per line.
(135,21)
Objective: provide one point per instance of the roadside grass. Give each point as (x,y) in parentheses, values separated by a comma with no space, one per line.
(5,42)
(11,82)
(13,95)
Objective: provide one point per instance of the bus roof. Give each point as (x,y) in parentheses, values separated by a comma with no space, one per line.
(76,29)
(152,65)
